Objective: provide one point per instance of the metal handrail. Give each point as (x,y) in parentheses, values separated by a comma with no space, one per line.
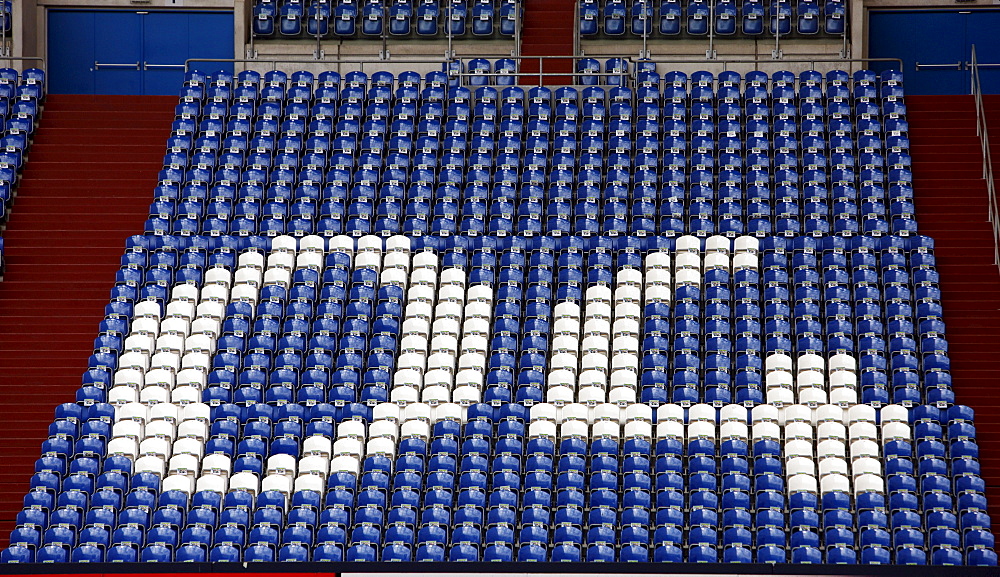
(726,62)
(299,59)
(429,59)
(10,60)
(517,27)
(631,58)
(664,59)
(984,139)
(629,77)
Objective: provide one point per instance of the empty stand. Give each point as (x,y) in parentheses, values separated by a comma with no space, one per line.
(656,318)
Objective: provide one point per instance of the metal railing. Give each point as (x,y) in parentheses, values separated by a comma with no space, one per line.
(984,139)
(627,80)
(376,63)
(728,62)
(6,19)
(11,59)
(630,76)
(360,61)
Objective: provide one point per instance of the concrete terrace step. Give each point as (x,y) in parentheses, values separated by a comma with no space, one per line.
(951,204)
(86,188)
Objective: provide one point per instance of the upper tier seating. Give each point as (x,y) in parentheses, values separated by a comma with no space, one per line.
(375,18)
(727,18)
(416,156)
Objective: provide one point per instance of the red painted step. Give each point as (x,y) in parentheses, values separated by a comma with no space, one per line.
(86,188)
(951,199)
(547,30)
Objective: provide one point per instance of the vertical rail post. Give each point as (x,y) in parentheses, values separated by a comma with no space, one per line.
(710,53)
(845,51)
(384,55)
(318,53)
(646,24)
(772,19)
(517,29)
(451,5)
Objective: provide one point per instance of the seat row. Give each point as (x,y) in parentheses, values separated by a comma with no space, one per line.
(199,200)
(783,87)
(433,131)
(76,416)
(375,18)
(267,547)
(919,247)
(361,224)
(668,18)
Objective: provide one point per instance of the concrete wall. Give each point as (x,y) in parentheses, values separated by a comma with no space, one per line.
(419,55)
(970,5)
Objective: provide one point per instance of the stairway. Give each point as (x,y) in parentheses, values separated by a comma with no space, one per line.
(547,28)
(951,200)
(86,187)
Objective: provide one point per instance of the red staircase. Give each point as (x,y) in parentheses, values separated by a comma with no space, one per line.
(952,208)
(547,28)
(86,188)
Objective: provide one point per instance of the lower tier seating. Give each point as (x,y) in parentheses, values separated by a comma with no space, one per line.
(668,399)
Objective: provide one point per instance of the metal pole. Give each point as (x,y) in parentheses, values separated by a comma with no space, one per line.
(710,54)
(251,52)
(541,65)
(517,28)
(318,54)
(777,44)
(577,46)
(577,50)
(972,79)
(425,58)
(576,34)
(845,51)
(451,4)
(384,55)
(645,30)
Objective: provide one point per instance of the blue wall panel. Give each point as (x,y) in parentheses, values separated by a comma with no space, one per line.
(170,38)
(132,52)
(941,39)
(118,43)
(982,31)
(71,59)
